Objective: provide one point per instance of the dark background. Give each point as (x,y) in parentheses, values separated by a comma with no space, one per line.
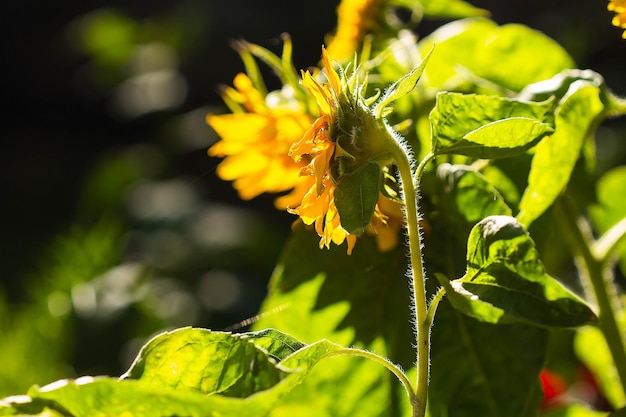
(62,122)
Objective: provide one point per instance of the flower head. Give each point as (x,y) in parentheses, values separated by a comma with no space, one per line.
(318,149)
(619,20)
(334,147)
(305,140)
(255,144)
(355,18)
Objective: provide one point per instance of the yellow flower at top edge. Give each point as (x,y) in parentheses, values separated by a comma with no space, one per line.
(355,18)
(256,143)
(619,20)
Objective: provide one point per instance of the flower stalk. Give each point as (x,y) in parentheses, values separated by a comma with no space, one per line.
(595,271)
(410,184)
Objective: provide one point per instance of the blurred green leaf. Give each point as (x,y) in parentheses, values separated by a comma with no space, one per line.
(484,126)
(108,36)
(575,410)
(477,50)
(556,156)
(619,413)
(445,9)
(354,300)
(559,85)
(591,348)
(484,370)
(610,208)
(506,282)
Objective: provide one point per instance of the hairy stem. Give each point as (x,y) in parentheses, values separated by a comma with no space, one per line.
(420,310)
(601,283)
(434,303)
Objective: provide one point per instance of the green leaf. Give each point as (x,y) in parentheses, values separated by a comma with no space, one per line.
(23,405)
(205,361)
(466,197)
(109,396)
(401,87)
(610,208)
(356,195)
(575,410)
(505,273)
(164,361)
(352,300)
(484,370)
(277,344)
(555,157)
(591,348)
(446,8)
(487,126)
(559,85)
(477,51)
(619,413)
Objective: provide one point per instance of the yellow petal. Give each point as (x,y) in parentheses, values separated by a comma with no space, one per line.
(244,129)
(331,74)
(253,100)
(236,166)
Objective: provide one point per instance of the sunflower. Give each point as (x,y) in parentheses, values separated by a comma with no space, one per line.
(318,147)
(355,19)
(255,144)
(619,20)
(271,143)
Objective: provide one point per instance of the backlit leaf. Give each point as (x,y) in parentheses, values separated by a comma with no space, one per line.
(505,272)
(484,126)
(350,300)
(205,361)
(165,360)
(555,157)
(478,51)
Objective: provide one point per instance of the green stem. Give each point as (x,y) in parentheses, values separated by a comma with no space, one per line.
(600,279)
(434,303)
(606,244)
(422,323)
(615,107)
(395,369)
